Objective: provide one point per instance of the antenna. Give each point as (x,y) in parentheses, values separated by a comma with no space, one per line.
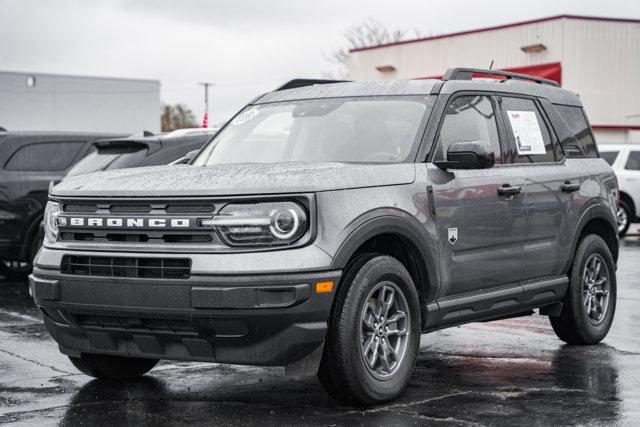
(491,66)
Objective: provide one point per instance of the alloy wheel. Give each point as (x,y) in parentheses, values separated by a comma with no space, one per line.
(595,288)
(623,219)
(384,331)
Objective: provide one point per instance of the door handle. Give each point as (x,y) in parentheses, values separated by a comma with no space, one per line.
(509,190)
(569,187)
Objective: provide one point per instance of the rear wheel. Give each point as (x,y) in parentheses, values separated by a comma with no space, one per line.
(590,302)
(374,333)
(624,218)
(112,367)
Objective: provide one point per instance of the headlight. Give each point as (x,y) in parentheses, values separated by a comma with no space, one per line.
(260,224)
(52,221)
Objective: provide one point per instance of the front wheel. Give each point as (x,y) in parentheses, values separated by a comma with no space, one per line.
(590,302)
(374,333)
(112,367)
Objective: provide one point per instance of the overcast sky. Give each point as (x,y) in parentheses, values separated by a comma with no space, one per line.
(244,47)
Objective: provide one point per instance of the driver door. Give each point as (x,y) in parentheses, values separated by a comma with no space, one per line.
(482,232)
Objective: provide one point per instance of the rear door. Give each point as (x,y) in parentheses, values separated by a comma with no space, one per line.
(552,185)
(482,230)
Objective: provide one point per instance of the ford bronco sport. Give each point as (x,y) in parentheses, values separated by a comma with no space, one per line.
(329,225)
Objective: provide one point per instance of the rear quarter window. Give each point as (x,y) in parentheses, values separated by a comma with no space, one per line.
(44,156)
(576,121)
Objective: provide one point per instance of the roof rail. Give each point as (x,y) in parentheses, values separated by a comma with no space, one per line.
(467,74)
(2,129)
(296,83)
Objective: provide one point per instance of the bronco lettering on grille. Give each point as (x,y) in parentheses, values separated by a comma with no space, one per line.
(130,222)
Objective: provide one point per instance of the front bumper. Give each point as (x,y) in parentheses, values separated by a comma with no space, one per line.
(256,319)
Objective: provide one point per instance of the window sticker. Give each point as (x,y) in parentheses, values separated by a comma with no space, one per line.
(526,131)
(246,116)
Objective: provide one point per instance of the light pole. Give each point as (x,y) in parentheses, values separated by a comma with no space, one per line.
(205,119)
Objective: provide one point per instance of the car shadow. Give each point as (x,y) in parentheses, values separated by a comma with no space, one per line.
(578,385)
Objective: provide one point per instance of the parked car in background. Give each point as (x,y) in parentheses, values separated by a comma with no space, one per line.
(625,161)
(142,150)
(29,161)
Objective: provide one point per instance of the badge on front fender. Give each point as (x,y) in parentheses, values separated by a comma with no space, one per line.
(453,235)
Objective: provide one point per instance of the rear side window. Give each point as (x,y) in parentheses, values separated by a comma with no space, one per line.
(528,138)
(633,162)
(609,156)
(470,119)
(44,156)
(576,122)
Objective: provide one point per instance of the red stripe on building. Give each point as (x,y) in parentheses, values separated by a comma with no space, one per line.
(551,71)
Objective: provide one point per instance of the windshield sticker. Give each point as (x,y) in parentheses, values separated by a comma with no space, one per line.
(526,131)
(246,116)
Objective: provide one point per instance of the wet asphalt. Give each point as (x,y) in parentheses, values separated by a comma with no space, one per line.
(506,372)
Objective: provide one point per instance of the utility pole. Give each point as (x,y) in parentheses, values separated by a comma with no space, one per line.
(205,119)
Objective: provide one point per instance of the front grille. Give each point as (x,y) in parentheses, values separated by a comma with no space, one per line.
(140,210)
(190,326)
(144,268)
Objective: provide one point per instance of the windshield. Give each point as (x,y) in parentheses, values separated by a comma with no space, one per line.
(375,129)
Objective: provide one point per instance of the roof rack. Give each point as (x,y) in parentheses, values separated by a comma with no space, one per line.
(467,74)
(296,83)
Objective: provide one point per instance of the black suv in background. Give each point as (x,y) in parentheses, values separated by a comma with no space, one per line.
(142,150)
(29,161)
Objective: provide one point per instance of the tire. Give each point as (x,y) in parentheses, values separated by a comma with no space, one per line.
(112,367)
(579,321)
(343,372)
(624,218)
(19,270)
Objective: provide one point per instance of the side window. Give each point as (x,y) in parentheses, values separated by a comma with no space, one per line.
(528,138)
(575,120)
(609,156)
(633,162)
(44,156)
(469,119)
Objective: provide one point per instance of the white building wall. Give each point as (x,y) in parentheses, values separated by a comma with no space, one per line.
(600,61)
(433,57)
(76,103)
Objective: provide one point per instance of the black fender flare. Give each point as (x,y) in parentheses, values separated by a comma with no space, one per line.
(377,223)
(596,211)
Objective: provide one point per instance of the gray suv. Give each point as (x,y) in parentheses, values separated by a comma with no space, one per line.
(328,225)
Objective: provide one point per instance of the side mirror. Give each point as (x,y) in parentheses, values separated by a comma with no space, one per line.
(467,155)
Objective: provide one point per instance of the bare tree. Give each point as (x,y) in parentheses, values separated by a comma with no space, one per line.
(176,117)
(369,32)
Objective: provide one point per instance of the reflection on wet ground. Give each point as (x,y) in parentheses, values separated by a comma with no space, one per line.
(508,372)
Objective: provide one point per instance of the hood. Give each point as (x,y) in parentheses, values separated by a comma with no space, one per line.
(228,180)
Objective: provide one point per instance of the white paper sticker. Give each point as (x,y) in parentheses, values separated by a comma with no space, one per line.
(526,131)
